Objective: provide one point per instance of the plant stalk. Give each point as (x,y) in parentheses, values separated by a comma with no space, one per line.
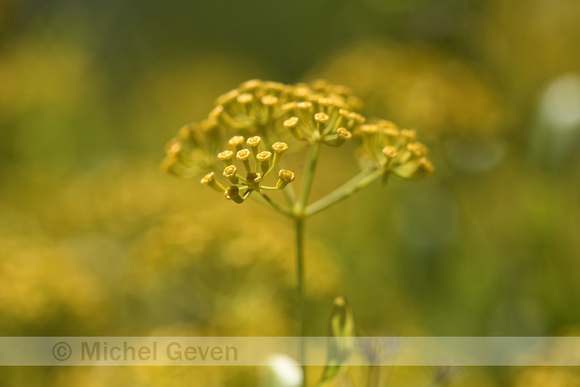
(311,162)
(350,187)
(373,376)
(300,217)
(300,321)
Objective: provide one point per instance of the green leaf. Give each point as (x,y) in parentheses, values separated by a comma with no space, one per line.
(340,342)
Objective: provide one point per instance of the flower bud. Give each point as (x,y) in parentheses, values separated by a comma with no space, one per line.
(226,157)
(264,159)
(211,182)
(292,125)
(417,149)
(414,169)
(216,112)
(427,166)
(227,97)
(279,149)
(250,85)
(245,98)
(243,155)
(321,118)
(357,118)
(324,102)
(301,91)
(174,147)
(254,143)
(231,173)
(254,179)
(391,133)
(369,129)
(274,86)
(342,136)
(237,142)
(284,178)
(269,104)
(320,84)
(369,136)
(233,193)
(269,100)
(390,152)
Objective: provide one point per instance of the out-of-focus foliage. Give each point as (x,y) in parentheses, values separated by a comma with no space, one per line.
(428,88)
(94,241)
(97,256)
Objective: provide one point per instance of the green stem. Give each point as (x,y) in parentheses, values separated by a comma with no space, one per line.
(265,200)
(356,183)
(299,212)
(311,161)
(288,192)
(373,376)
(299,216)
(300,321)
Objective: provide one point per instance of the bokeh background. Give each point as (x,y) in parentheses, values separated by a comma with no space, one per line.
(94,240)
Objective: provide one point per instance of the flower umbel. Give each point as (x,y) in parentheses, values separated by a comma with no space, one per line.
(393,150)
(256,164)
(190,153)
(245,136)
(323,119)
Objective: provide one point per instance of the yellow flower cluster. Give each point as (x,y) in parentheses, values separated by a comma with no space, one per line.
(264,162)
(252,106)
(322,119)
(394,150)
(193,150)
(261,120)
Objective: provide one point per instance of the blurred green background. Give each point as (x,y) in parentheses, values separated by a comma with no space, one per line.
(95,241)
